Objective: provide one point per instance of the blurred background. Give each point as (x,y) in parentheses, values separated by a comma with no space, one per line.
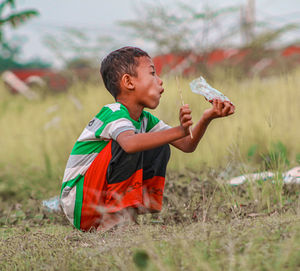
(246,36)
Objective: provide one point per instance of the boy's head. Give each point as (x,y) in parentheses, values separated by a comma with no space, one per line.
(119,62)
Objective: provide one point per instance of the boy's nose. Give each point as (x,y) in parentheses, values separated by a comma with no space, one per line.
(160,81)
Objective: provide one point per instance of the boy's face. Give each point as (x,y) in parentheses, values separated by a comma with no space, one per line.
(147,84)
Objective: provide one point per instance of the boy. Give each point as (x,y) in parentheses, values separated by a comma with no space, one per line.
(118,164)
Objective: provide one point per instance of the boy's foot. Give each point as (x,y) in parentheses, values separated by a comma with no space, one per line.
(112,221)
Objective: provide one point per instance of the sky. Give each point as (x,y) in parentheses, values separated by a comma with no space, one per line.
(97,17)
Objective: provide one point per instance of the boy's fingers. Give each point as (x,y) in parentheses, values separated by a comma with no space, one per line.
(185,108)
(187,124)
(232,109)
(184,115)
(218,104)
(226,109)
(186,118)
(221,108)
(186,111)
(215,103)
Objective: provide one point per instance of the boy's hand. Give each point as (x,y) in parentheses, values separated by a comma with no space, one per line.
(185,118)
(219,109)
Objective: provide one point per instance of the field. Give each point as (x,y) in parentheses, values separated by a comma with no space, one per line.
(206,224)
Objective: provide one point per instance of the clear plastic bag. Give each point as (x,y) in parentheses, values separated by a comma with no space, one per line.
(52,204)
(200,86)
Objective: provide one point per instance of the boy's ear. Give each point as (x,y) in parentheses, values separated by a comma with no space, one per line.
(127,82)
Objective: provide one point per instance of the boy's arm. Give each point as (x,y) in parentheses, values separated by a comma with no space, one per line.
(177,136)
(219,109)
(131,142)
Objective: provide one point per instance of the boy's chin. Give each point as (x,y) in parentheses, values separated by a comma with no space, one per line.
(153,106)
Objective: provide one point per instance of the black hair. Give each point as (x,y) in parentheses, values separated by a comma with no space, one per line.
(118,63)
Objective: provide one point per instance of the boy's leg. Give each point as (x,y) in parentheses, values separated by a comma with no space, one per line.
(137,193)
(121,218)
(136,180)
(94,190)
(154,171)
(112,183)
(124,179)
(117,181)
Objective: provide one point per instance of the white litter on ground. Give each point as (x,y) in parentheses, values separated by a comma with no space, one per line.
(291,176)
(52,204)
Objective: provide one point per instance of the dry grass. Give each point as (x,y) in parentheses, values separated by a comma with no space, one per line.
(205,224)
(270,243)
(36,137)
(266,111)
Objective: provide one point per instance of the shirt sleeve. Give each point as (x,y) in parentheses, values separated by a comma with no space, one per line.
(114,123)
(114,128)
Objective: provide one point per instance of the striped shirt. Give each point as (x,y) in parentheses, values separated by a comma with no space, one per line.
(112,120)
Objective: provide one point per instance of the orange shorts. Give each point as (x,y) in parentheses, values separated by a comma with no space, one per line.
(117,180)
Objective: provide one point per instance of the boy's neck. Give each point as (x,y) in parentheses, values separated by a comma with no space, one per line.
(134,109)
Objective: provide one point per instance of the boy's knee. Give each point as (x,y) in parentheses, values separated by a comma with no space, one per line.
(122,165)
(161,153)
(155,161)
(166,151)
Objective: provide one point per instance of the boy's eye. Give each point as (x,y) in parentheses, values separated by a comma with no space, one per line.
(153,73)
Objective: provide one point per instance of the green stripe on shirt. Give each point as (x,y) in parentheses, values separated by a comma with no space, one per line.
(78,203)
(152,121)
(106,115)
(87,147)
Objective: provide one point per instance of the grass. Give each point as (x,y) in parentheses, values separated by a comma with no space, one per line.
(268,243)
(205,224)
(266,112)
